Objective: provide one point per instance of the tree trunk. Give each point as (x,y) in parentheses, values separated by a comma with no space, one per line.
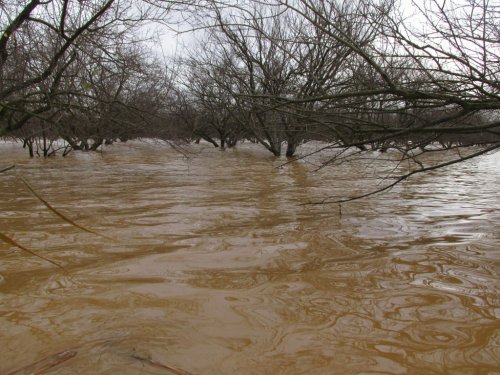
(291,147)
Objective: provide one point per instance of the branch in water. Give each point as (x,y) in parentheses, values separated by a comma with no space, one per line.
(45,364)
(408,175)
(62,216)
(10,241)
(154,363)
(7,168)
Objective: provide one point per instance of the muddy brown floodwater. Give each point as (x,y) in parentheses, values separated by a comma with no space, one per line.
(212,265)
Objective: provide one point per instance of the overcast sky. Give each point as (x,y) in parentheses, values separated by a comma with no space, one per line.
(171,44)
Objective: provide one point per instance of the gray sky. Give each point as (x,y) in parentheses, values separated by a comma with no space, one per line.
(170,44)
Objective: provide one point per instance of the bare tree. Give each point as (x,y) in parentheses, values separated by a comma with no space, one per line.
(394,85)
(289,72)
(246,63)
(452,63)
(43,42)
(215,107)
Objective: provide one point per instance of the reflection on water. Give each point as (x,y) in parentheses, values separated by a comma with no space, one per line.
(216,266)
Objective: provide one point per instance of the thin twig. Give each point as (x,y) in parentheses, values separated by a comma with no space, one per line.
(62,216)
(175,370)
(45,364)
(7,168)
(12,242)
(408,175)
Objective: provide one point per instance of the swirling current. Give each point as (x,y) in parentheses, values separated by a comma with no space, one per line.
(211,262)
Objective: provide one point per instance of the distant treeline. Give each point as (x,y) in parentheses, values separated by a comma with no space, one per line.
(354,74)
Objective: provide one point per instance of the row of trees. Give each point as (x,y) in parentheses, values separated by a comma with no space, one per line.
(353,73)
(78,71)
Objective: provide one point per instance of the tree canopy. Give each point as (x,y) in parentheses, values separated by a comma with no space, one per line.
(359,74)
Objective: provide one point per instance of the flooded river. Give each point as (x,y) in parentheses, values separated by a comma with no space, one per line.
(211,263)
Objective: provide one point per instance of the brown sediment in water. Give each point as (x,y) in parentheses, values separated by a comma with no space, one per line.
(216,266)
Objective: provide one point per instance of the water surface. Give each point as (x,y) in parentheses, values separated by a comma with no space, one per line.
(214,264)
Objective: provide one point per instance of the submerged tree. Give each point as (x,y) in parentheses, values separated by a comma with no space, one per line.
(361,76)
(356,74)
(70,66)
(436,83)
(451,66)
